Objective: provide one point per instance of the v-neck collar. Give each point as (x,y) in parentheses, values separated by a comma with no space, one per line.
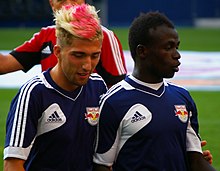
(70,94)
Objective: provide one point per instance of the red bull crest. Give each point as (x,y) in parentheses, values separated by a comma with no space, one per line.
(92,115)
(181,112)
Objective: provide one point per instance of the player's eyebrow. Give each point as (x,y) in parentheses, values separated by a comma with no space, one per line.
(173,43)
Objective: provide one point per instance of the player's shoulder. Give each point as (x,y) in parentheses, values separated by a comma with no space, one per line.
(96,83)
(174,86)
(107,31)
(177,88)
(120,89)
(45,34)
(111,37)
(94,77)
(51,27)
(48,29)
(32,85)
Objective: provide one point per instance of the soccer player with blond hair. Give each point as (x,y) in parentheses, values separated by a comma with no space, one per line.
(52,120)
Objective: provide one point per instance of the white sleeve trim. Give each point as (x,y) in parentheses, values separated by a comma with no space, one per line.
(108,157)
(193,142)
(102,158)
(17,152)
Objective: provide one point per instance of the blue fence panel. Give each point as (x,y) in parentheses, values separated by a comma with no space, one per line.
(208,9)
(119,12)
(123,12)
(25,13)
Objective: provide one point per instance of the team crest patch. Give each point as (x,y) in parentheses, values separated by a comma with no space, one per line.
(181,112)
(92,115)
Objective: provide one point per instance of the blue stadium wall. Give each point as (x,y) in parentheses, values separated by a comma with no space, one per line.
(181,12)
(25,13)
(34,13)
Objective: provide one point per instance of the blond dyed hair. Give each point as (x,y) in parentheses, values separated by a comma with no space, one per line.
(77,21)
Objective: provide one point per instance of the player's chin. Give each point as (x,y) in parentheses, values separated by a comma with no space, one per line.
(169,75)
(82,82)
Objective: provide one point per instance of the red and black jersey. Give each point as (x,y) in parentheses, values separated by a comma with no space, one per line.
(39,50)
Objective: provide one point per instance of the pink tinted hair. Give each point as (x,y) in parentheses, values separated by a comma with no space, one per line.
(81,21)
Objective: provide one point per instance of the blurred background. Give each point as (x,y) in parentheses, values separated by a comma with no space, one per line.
(32,13)
(198,25)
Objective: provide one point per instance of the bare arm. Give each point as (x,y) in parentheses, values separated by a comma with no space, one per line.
(12,164)
(9,64)
(198,162)
(98,167)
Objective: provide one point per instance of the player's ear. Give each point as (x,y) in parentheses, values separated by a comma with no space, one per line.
(57,51)
(141,51)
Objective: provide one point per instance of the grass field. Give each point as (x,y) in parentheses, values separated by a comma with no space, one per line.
(191,39)
(208,107)
(199,39)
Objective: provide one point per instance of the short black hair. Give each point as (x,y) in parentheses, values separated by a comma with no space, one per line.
(139,29)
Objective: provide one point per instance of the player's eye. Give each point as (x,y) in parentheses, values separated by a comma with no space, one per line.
(96,55)
(78,55)
(168,47)
(60,1)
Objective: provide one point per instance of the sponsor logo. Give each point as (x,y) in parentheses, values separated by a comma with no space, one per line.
(92,115)
(46,50)
(54,117)
(137,117)
(181,113)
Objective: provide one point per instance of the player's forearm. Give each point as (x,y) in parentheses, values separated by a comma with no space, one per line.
(9,64)
(13,164)
(98,167)
(197,162)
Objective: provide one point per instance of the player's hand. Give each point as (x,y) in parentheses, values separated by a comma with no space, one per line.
(206,154)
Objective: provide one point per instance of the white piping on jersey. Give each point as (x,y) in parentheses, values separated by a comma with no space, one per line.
(102,101)
(155,86)
(108,94)
(152,86)
(171,83)
(152,93)
(93,76)
(68,96)
(51,87)
(111,91)
(21,112)
(115,51)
